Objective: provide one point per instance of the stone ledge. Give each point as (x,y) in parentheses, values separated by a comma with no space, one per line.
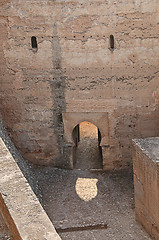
(19,206)
(149,146)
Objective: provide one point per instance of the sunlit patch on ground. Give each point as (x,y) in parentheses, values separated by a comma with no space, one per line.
(86,188)
(108,216)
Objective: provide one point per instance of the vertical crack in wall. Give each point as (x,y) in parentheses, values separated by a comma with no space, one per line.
(58,93)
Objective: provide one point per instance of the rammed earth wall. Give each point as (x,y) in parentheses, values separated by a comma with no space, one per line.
(146,183)
(74,70)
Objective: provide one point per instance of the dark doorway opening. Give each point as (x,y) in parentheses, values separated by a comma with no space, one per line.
(87,152)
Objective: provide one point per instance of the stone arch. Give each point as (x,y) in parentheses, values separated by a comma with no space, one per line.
(76,126)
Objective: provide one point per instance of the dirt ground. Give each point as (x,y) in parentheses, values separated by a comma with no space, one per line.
(79,202)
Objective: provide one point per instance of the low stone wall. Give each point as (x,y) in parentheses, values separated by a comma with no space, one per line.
(146,183)
(26,167)
(19,206)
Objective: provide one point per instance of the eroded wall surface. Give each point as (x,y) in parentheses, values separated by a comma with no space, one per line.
(74,70)
(146,184)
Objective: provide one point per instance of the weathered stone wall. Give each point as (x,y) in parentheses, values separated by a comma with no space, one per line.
(74,70)
(146,183)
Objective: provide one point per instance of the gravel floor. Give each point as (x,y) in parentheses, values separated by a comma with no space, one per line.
(81,198)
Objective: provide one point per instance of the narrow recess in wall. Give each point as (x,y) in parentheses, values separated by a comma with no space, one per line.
(111,41)
(34,43)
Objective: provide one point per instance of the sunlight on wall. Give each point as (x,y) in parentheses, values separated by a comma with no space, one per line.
(88,130)
(86,188)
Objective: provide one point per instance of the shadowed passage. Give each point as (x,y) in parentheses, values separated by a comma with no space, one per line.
(87,150)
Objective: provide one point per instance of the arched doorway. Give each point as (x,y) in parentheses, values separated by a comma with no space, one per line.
(87,153)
